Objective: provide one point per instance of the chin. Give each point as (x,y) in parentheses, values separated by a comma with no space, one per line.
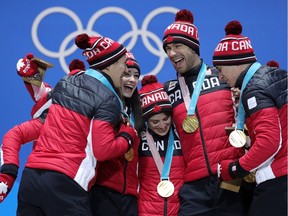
(127,95)
(162,133)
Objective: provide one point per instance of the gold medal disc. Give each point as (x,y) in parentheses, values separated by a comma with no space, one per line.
(190,124)
(129,155)
(165,188)
(237,138)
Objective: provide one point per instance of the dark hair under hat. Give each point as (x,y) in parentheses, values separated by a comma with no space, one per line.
(234,49)
(100,51)
(182,31)
(153,98)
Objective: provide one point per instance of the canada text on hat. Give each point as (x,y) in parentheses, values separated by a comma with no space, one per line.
(100,51)
(131,61)
(234,49)
(182,31)
(153,98)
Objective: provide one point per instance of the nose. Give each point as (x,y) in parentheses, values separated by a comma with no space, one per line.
(171,53)
(131,78)
(161,125)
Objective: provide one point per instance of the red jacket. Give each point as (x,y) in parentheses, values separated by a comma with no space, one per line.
(20,134)
(78,133)
(149,201)
(265,102)
(208,145)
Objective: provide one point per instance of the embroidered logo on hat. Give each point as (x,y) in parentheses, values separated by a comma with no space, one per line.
(234,49)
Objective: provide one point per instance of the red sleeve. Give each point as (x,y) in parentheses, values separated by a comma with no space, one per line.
(106,145)
(37,92)
(265,126)
(15,137)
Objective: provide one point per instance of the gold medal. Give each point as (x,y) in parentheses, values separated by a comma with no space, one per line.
(165,188)
(237,138)
(190,124)
(129,155)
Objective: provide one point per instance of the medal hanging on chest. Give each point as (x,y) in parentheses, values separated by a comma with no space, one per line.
(190,123)
(237,138)
(165,188)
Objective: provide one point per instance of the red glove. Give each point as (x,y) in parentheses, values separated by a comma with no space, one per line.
(6,184)
(129,133)
(229,169)
(223,170)
(26,67)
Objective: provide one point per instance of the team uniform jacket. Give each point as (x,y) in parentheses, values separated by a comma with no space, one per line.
(265,103)
(23,133)
(150,202)
(28,131)
(88,113)
(214,111)
(119,174)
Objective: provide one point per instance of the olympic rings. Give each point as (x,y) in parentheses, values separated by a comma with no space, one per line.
(133,34)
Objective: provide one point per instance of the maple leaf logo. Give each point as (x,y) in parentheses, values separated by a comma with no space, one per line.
(129,63)
(3,188)
(156,109)
(20,64)
(170,39)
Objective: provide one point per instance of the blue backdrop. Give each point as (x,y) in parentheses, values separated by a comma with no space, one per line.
(47,29)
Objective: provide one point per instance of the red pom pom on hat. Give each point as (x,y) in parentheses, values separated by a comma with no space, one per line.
(273,63)
(148,79)
(29,56)
(76,64)
(233,27)
(82,41)
(184,15)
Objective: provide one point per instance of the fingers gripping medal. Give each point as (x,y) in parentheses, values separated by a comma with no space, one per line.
(190,124)
(237,138)
(165,188)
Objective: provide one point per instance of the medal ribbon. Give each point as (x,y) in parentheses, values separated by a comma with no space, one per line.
(132,122)
(97,75)
(190,103)
(241,112)
(164,169)
(168,157)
